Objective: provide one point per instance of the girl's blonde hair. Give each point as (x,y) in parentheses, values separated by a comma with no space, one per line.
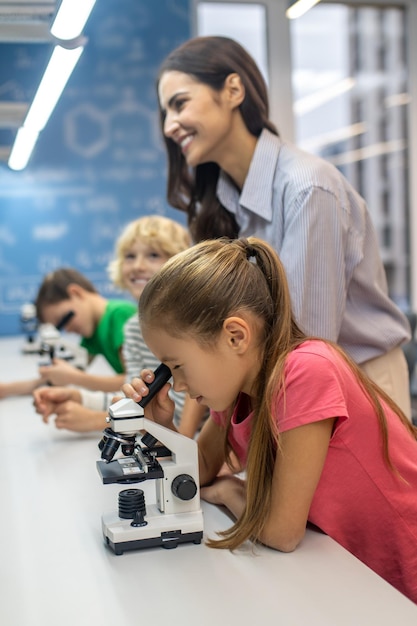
(161,233)
(193,294)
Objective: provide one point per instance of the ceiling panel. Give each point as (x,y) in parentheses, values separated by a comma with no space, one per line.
(21,22)
(26,21)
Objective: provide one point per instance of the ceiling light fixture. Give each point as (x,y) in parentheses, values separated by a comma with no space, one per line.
(324,140)
(71,18)
(368,152)
(326,94)
(57,73)
(24,143)
(67,26)
(297,9)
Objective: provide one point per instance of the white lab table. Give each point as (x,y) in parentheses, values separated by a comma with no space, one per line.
(56,570)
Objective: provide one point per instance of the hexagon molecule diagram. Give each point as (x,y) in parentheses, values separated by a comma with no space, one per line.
(87,130)
(90,131)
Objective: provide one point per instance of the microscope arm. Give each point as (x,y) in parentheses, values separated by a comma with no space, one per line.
(127,417)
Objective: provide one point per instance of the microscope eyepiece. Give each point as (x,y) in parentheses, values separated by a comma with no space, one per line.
(162,376)
(64,320)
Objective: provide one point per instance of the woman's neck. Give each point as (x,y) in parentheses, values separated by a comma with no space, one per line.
(235,161)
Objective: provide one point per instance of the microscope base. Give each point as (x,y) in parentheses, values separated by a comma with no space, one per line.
(31,347)
(161,530)
(168,540)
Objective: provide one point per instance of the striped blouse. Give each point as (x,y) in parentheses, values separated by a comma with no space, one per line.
(321,228)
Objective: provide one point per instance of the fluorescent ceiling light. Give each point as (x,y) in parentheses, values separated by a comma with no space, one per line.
(71,18)
(299,8)
(60,67)
(67,26)
(396,100)
(57,73)
(22,148)
(318,142)
(368,152)
(316,99)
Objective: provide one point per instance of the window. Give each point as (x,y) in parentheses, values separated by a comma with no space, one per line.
(350,86)
(339,87)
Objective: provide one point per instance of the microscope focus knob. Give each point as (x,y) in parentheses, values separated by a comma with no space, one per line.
(184,487)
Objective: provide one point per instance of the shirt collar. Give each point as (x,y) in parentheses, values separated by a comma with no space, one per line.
(256,195)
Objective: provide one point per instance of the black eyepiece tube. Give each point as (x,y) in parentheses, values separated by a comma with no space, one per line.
(64,320)
(162,376)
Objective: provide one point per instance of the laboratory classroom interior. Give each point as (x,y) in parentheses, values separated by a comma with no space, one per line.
(342,81)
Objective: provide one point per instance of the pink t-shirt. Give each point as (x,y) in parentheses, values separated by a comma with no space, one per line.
(359,501)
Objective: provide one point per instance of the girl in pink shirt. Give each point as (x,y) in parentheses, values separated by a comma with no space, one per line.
(318,440)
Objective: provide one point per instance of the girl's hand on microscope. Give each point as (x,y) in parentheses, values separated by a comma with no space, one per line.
(161,408)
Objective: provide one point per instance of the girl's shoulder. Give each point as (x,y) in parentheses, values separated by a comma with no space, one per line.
(314,348)
(316,359)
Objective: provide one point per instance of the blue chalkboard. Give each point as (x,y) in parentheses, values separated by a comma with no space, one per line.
(100,161)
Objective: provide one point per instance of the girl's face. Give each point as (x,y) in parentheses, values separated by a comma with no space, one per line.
(141,261)
(197,118)
(212,376)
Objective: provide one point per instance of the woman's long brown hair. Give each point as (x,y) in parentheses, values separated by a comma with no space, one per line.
(209,60)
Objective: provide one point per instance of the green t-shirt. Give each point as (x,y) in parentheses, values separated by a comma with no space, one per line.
(108,337)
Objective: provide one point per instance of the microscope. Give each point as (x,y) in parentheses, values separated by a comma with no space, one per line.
(50,346)
(150,452)
(43,339)
(29,326)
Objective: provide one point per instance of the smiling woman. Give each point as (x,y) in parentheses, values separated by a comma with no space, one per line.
(233,175)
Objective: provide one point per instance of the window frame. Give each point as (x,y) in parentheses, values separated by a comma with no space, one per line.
(281,96)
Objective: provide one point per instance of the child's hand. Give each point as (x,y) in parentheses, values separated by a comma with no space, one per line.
(46,400)
(226,490)
(76,417)
(59,373)
(161,407)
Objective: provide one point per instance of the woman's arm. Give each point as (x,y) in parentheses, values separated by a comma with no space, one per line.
(316,222)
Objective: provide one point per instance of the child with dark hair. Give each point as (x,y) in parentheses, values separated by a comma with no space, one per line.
(97,320)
